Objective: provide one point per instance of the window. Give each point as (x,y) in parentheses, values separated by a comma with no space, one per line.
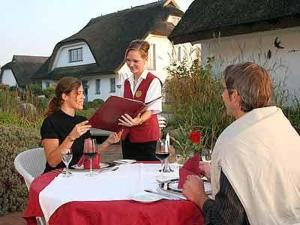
(97,86)
(47,84)
(86,90)
(112,84)
(151,57)
(75,55)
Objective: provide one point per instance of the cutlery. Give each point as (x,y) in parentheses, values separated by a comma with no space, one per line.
(165,195)
(108,169)
(167,181)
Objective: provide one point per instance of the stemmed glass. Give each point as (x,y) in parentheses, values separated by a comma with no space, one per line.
(89,151)
(66,158)
(161,153)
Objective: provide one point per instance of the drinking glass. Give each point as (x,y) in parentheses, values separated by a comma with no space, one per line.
(161,153)
(66,158)
(89,151)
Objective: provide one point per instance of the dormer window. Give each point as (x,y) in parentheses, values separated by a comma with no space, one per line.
(75,55)
(173,19)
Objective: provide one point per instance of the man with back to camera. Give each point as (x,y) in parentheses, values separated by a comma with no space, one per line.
(254,172)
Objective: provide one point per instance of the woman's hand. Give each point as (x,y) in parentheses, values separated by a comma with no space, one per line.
(114,137)
(79,129)
(193,190)
(127,121)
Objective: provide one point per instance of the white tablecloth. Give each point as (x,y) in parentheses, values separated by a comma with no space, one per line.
(106,186)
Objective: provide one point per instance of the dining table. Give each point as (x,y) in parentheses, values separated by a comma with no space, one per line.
(107,198)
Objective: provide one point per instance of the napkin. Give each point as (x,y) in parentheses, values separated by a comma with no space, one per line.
(190,167)
(85,161)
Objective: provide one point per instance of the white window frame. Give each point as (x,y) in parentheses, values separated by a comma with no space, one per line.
(112,85)
(75,55)
(98,86)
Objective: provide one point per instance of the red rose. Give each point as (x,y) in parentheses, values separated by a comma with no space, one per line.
(195,137)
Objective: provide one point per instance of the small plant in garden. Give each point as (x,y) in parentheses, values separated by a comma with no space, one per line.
(195,101)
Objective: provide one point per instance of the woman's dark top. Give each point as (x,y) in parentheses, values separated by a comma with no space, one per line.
(226,209)
(58,126)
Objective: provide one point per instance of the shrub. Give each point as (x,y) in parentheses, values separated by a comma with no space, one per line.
(96,103)
(21,107)
(13,191)
(195,102)
(194,97)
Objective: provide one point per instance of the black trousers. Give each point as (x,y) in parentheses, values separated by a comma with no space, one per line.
(139,151)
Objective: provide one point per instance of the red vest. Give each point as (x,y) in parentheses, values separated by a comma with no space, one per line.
(149,130)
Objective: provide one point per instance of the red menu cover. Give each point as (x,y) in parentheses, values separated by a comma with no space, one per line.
(106,117)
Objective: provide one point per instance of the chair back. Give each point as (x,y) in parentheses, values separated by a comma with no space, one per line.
(30,164)
(162,121)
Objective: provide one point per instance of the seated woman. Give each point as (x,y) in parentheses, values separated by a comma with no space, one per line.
(62,129)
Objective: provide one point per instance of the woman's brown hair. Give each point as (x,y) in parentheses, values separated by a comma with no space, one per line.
(139,45)
(252,82)
(64,86)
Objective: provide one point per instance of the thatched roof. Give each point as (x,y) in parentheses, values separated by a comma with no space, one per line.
(109,35)
(206,19)
(23,67)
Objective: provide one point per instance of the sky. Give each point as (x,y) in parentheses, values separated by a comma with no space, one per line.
(33,27)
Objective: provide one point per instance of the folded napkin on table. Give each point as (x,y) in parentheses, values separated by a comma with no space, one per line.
(190,167)
(85,161)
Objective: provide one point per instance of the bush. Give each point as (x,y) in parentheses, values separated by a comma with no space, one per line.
(21,107)
(96,103)
(293,114)
(195,102)
(194,94)
(13,191)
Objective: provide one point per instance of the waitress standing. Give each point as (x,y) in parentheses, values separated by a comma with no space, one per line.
(142,132)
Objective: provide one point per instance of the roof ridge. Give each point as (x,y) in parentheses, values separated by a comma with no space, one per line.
(151,4)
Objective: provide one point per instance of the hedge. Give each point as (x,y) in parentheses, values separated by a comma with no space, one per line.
(13,191)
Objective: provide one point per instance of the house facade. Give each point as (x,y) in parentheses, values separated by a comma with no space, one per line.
(96,53)
(265,32)
(19,71)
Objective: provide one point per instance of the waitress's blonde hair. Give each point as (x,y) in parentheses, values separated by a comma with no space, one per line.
(139,45)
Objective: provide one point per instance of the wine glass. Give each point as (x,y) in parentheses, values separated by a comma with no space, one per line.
(161,153)
(66,158)
(89,151)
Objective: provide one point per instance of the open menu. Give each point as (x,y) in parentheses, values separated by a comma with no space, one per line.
(108,115)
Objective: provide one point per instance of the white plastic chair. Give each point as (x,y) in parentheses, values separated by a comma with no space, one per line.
(30,164)
(162,121)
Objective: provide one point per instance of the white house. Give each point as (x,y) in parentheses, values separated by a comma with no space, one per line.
(266,32)
(18,72)
(96,53)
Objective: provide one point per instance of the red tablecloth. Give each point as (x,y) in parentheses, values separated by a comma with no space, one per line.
(165,212)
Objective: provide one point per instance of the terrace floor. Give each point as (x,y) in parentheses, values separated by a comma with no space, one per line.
(12,219)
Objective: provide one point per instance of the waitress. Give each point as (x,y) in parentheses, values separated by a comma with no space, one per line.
(142,132)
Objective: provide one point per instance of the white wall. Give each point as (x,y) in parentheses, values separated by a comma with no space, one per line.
(104,87)
(284,64)
(62,56)
(8,78)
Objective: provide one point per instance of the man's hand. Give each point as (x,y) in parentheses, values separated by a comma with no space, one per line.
(205,169)
(193,190)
